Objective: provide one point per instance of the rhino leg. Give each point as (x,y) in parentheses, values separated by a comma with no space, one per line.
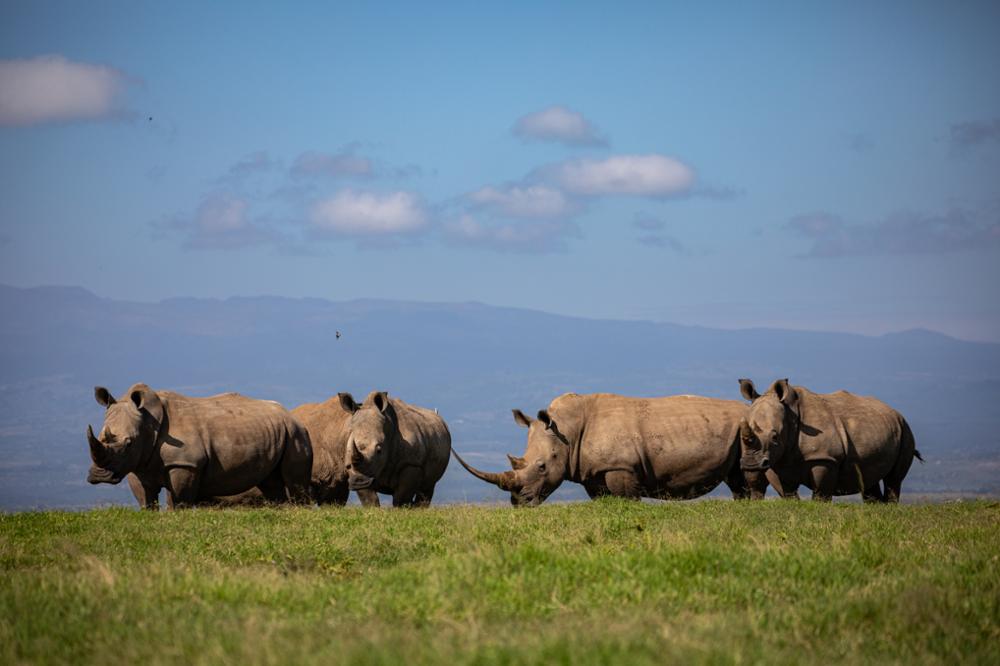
(335,493)
(873,493)
(147,496)
(907,450)
(824,480)
(296,468)
(183,490)
(406,487)
(273,487)
(738,485)
(623,484)
(424,496)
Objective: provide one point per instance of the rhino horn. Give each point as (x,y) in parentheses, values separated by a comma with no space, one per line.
(505,480)
(97,450)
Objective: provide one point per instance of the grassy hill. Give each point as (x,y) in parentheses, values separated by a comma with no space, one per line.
(591,582)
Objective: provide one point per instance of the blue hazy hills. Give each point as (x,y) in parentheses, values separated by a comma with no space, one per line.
(473,362)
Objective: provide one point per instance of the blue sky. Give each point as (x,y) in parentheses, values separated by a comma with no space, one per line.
(802,165)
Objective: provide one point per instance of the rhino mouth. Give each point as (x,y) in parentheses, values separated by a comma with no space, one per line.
(754,464)
(100,475)
(360,482)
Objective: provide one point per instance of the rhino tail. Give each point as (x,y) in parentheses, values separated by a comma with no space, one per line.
(916,454)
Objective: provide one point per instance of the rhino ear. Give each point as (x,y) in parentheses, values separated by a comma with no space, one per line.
(747,390)
(103,396)
(546,418)
(381,401)
(520,418)
(786,393)
(517,463)
(347,402)
(146,401)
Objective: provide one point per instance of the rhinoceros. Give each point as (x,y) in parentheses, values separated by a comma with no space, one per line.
(199,448)
(667,448)
(395,448)
(327,425)
(833,443)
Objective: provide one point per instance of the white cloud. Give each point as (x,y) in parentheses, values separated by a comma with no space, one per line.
(534,237)
(366,213)
(557,123)
(531,201)
(345,163)
(637,175)
(53,89)
(222,221)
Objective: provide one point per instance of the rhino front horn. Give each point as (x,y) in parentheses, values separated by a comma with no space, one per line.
(97,450)
(504,481)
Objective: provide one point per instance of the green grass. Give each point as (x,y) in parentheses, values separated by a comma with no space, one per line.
(594,582)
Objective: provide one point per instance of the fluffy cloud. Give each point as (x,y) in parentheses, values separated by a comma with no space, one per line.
(900,233)
(369,214)
(531,237)
(344,163)
(221,222)
(529,201)
(557,123)
(54,89)
(636,175)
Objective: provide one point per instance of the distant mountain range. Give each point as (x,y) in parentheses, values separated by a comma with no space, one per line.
(473,362)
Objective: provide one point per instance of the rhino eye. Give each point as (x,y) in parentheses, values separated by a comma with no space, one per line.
(541,465)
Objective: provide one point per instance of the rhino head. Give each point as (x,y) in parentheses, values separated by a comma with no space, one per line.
(128,435)
(542,468)
(768,427)
(371,433)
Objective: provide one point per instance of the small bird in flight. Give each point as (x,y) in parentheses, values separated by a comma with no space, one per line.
(338,335)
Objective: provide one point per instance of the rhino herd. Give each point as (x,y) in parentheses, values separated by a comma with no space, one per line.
(229,447)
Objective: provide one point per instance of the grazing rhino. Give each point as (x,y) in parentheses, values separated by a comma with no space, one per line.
(668,448)
(395,448)
(834,443)
(199,448)
(327,426)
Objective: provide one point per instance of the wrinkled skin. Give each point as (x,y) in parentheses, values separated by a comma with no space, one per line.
(834,443)
(199,449)
(397,449)
(666,448)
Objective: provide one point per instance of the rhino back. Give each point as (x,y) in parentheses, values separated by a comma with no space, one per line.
(325,423)
(235,440)
(850,429)
(676,443)
(424,437)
